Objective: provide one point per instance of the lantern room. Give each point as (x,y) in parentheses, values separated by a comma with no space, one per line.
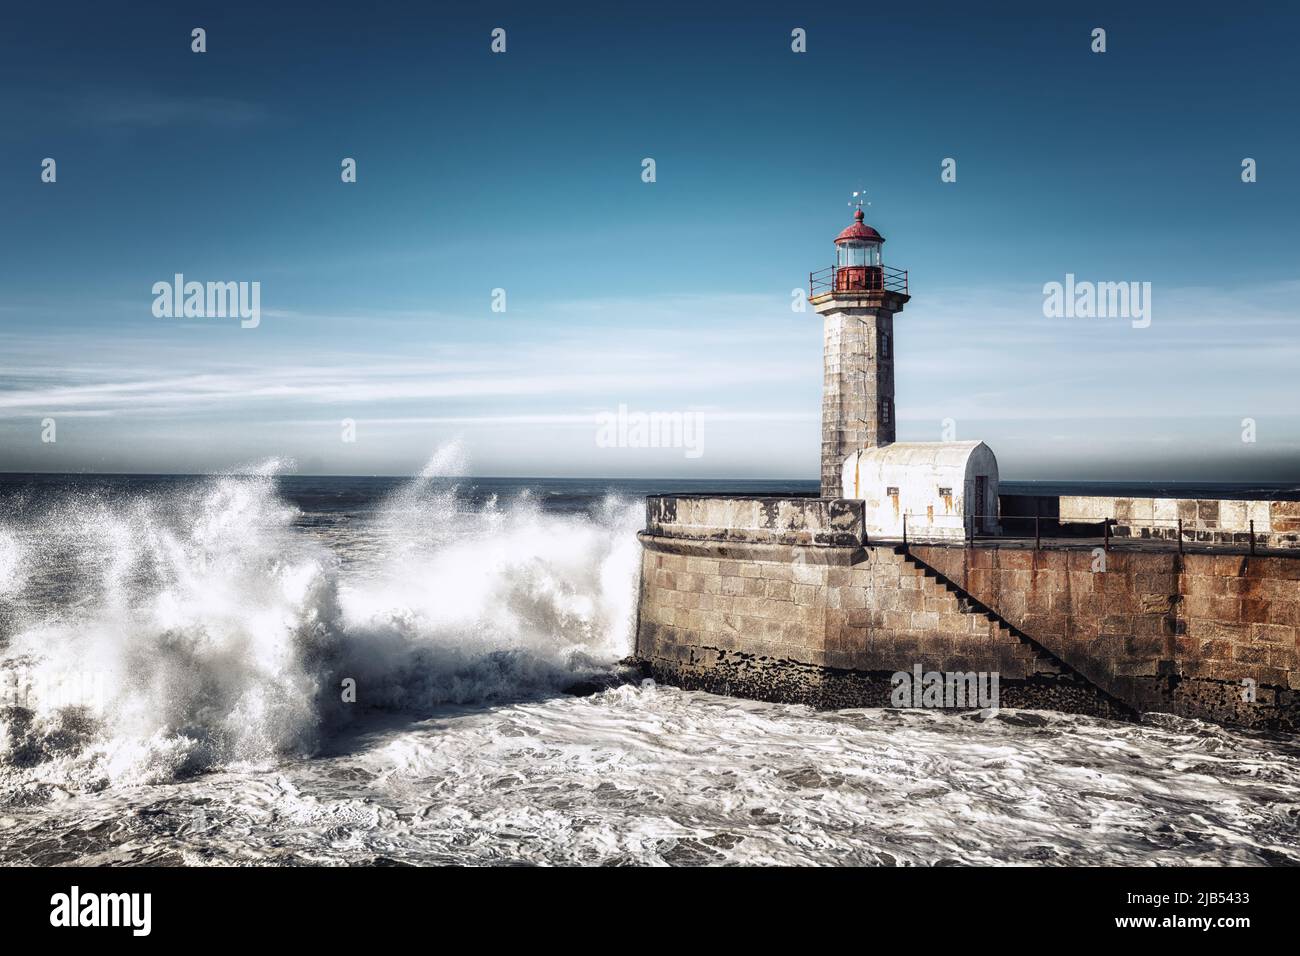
(857,257)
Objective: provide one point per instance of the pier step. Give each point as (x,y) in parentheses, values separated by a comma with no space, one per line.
(1034,658)
(972,605)
(969,604)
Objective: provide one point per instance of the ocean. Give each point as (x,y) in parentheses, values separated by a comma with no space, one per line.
(265,669)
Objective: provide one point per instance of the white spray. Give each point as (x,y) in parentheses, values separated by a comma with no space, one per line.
(216,633)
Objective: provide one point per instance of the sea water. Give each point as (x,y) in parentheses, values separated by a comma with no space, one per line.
(264,669)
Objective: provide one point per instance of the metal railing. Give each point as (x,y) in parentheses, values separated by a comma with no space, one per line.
(1196,531)
(857,279)
(917,528)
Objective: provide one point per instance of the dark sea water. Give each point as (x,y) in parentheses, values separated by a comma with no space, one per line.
(271,669)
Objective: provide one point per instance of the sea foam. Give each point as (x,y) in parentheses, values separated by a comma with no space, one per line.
(202,628)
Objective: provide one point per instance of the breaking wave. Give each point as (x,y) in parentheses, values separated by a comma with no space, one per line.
(155,636)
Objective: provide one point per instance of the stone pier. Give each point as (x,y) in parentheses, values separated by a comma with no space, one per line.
(786,599)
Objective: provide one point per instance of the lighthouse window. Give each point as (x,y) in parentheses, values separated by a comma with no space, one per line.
(853,254)
(884,345)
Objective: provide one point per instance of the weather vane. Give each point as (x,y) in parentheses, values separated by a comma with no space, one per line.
(859,198)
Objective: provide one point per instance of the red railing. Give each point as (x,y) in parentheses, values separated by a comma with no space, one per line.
(857,279)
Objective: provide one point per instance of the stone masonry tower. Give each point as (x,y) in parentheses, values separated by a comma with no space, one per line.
(857,299)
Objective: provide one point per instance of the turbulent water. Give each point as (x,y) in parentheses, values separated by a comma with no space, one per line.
(180,656)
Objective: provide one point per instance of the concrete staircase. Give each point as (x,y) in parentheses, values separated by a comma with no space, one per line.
(1037,658)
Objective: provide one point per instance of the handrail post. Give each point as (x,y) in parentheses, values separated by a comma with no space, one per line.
(1105,531)
(904,529)
(1252,535)
(1038,534)
(1180,535)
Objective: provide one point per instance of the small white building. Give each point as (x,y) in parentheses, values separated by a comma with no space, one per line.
(944,488)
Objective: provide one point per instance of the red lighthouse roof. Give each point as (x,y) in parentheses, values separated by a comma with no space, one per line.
(859,230)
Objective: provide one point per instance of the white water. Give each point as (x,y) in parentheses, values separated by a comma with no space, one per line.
(209,638)
(204,630)
(653,775)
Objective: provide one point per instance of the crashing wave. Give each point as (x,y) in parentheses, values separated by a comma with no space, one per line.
(203,629)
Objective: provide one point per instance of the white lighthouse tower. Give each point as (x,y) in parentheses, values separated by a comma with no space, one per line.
(930,489)
(857,299)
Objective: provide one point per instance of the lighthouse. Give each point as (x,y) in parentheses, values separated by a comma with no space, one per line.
(857,299)
(945,489)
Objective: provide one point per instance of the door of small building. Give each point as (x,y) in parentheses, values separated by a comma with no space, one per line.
(981,497)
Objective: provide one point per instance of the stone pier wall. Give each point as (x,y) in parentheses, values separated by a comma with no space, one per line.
(786,599)
(1150,623)
(1276,524)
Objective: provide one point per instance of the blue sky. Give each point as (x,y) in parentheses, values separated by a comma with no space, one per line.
(522,171)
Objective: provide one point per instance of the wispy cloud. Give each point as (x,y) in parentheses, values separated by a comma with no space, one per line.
(985,357)
(525,372)
(585,419)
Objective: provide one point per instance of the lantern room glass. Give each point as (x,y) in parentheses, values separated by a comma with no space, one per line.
(858,252)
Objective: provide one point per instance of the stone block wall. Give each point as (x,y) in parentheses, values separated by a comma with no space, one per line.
(784,599)
(780,599)
(1151,623)
(855,609)
(1204,520)
(798,521)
